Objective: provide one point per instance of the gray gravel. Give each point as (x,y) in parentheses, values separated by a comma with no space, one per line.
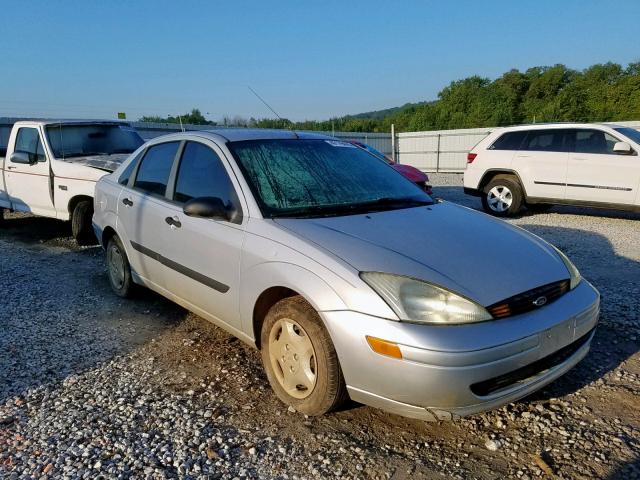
(91,385)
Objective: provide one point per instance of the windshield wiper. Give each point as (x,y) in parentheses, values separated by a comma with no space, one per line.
(348,208)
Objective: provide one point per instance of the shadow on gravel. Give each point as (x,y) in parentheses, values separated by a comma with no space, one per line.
(612,275)
(59,316)
(33,230)
(627,471)
(457,195)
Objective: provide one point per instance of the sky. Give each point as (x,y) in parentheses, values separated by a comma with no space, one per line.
(308,60)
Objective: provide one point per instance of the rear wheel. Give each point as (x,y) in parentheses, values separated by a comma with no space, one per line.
(118,268)
(81,223)
(502,196)
(300,360)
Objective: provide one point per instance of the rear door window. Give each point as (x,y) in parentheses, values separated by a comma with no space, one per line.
(155,168)
(545,141)
(28,141)
(509,141)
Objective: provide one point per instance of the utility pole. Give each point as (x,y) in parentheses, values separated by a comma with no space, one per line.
(393,143)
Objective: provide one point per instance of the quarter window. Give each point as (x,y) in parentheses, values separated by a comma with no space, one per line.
(594,141)
(509,141)
(155,168)
(28,141)
(202,174)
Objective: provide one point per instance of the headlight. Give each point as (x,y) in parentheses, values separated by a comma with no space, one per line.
(573,271)
(417,301)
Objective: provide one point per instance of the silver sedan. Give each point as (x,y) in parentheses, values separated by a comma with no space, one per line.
(350,280)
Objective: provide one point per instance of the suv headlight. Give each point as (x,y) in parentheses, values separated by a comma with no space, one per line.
(417,301)
(575,276)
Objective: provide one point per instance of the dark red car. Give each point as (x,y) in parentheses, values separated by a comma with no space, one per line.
(412,173)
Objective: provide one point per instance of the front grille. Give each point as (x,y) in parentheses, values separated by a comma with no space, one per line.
(522,375)
(524,302)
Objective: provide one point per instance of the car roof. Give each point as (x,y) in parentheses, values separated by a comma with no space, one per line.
(537,126)
(241,134)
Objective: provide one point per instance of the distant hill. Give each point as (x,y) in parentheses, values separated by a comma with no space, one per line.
(387,112)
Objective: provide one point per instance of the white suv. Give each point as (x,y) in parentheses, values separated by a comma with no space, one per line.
(542,165)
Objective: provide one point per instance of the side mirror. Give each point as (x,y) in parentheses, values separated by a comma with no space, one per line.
(208,207)
(623,148)
(21,157)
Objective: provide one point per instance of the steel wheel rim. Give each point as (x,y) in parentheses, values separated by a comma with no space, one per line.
(293,358)
(115,265)
(499,198)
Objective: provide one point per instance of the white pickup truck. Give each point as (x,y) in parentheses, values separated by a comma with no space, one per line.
(50,168)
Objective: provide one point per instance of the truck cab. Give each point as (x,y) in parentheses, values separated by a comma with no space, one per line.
(50,168)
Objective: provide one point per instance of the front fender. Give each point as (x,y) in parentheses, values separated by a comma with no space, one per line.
(308,284)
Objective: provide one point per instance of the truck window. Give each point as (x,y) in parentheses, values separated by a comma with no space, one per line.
(28,141)
(68,141)
(155,167)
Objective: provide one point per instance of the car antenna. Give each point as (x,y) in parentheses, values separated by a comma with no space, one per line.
(269,107)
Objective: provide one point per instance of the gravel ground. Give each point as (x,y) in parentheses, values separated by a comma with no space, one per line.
(95,386)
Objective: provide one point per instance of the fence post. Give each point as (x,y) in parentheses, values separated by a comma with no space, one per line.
(438,155)
(393,144)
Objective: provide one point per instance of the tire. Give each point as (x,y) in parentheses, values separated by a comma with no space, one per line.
(81,227)
(119,269)
(2,215)
(502,196)
(539,207)
(321,387)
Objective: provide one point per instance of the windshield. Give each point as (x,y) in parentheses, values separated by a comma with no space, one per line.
(632,133)
(300,178)
(81,140)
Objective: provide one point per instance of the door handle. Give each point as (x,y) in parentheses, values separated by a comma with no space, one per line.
(11,167)
(127,202)
(173,221)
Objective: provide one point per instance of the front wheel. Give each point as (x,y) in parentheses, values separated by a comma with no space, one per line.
(300,360)
(502,196)
(119,269)
(81,227)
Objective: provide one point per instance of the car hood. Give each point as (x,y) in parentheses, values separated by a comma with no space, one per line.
(108,163)
(467,252)
(412,173)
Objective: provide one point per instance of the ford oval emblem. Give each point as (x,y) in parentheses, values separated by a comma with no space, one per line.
(540,301)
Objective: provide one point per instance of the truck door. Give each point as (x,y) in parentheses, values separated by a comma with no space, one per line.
(29,183)
(597,174)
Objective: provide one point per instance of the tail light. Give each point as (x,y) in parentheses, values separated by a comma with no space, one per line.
(471,157)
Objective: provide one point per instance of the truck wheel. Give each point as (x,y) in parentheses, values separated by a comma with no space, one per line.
(81,223)
(301,363)
(502,196)
(118,268)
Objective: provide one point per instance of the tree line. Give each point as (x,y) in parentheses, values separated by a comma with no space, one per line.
(601,92)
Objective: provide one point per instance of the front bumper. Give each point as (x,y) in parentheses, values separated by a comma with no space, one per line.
(443,366)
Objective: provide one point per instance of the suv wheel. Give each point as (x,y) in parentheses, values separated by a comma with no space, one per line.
(502,196)
(81,227)
(299,358)
(118,268)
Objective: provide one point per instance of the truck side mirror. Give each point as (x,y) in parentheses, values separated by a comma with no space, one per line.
(622,148)
(22,158)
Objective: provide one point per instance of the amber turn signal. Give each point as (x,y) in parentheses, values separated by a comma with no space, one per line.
(384,347)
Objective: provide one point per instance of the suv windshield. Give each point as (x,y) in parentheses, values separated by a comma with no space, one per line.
(302,178)
(632,133)
(92,139)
